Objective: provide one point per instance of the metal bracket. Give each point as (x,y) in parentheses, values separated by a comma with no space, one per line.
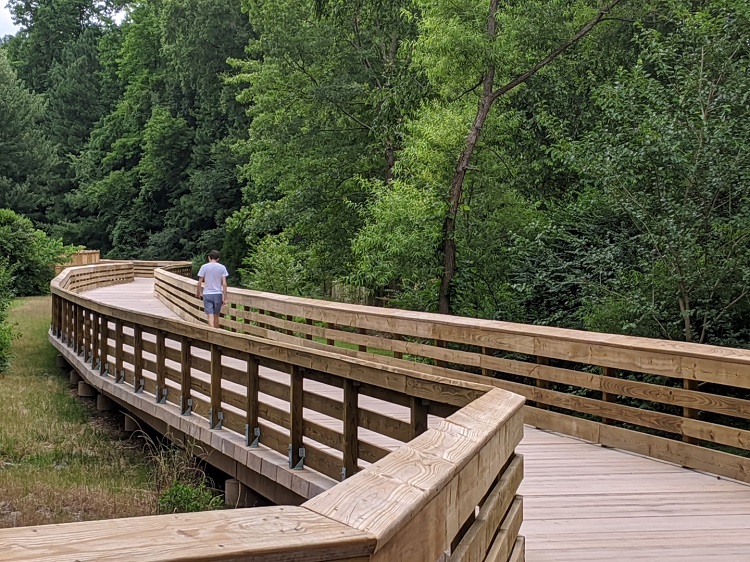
(95,365)
(343,473)
(139,390)
(189,410)
(120,377)
(301,464)
(255,442)
(219,420)
(163,398)
(104,372)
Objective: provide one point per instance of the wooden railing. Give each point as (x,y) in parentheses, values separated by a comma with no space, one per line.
(680,402)
(451,488)
(143,268)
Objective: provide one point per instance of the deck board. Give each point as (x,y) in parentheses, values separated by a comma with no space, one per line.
(582,502)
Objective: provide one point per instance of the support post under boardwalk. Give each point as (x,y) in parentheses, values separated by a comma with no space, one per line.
(185,366)
(351,426)
(215,414)
(252,427)
(296,454)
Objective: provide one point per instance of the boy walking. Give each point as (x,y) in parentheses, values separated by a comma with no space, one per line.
(215,292)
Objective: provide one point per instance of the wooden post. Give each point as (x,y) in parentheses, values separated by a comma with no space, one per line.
(606,396)
(309,322)
(540,383)
(78,314)
(262,312)
(329,326)
(137,358)
(290,318)
(363,332)
(486,372)
(252,427)
(215,414)
(186,402)
(161,367)
(95,322)
(119,372)
(692,413)
(85,335)
(418,416)
(438,362)
(296,455)
(64,321)
(351,426)
(104,343)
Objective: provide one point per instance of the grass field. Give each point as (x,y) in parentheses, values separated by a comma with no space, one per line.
(60,460)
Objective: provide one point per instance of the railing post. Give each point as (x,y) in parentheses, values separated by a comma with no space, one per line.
(186,402)
(329,326)
(104,346)
(86,334)
(94,339)
(296,398)
(309,322)
(161,368)
(606,396)
(119,371)
(541,383)
(215,415)
(252,427)
(486,372)
(78,314)
(440,362)
(691,413)
(137,358)
(418,409)
(363,332)
(351,426)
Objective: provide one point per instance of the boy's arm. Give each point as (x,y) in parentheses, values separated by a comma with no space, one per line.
(224,289)
(198,288)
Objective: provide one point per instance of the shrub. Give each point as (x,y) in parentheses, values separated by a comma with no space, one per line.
(5,333)
(184,498)
(31,255)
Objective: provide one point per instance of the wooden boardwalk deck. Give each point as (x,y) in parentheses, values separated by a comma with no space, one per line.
(582,502)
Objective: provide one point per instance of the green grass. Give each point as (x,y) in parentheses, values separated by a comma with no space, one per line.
(60,460)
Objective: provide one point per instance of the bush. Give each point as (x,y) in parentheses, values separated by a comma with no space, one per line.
(31,256)
(184,498)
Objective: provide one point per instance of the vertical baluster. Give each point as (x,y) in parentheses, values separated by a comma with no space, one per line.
(161,368)
(252,427)
(606,396)
(351,426)
(104,343)
(186,402)
(296,452)
(95,321)
(418,409)
(137,358)
(119,371)
(540,383)
(215,414)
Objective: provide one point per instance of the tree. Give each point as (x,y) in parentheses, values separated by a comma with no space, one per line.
(671,154)
(26,154)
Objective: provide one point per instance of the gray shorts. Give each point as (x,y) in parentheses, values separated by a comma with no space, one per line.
(212,303)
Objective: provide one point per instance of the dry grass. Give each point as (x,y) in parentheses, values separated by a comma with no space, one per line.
(60,460)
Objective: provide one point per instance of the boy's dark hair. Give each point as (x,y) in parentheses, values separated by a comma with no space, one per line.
(213,255)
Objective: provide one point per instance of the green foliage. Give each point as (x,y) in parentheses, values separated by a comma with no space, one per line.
(30,254)
(275,265)
(6,293)
(26,154)
(186,498)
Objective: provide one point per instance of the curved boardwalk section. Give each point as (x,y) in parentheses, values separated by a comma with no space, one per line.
(413,415)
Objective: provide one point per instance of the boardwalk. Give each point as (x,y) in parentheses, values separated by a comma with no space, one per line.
(581,501)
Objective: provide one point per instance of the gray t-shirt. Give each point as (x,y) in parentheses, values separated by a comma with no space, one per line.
(212,273)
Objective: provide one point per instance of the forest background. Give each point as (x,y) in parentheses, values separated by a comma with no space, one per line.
(407,147)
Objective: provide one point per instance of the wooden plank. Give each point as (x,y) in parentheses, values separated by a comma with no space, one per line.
(95,339)
(506,537)
(161,366)
(279,534)
(118,349)
(475,545)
